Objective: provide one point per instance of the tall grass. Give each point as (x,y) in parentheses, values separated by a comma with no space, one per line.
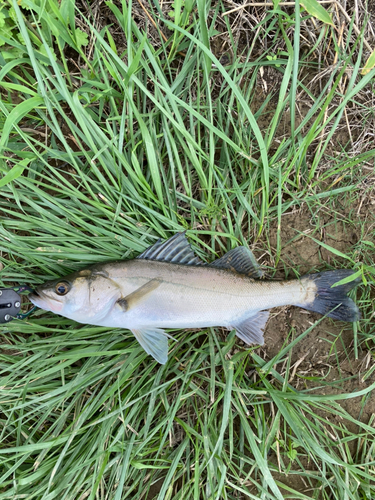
(101,158)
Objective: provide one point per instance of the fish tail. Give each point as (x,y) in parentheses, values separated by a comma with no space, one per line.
(333,302)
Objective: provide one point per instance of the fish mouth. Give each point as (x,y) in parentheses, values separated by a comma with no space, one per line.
(33,297)
(40,299)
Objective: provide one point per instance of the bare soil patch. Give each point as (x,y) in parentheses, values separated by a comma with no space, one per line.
(328,351)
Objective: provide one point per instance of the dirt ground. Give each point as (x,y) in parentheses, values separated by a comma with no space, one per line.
(315,355)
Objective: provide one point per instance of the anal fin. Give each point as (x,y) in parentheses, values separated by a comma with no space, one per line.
(154,341)
(251,329)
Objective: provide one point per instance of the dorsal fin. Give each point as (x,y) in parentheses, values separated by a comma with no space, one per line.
(241,260)
(176,249)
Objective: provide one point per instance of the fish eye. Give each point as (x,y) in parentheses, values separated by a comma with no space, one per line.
(62,288)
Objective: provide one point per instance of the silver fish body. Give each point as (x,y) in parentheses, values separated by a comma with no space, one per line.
(169,287)
(194,297)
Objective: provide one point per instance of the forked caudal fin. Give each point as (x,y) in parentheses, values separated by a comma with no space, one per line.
(333,302)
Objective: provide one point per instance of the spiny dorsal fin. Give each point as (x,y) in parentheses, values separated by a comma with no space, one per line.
(241,260)
(176,249)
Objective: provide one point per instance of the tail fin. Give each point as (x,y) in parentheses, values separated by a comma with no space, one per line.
(328,298)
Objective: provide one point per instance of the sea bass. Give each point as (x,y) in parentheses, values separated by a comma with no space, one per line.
(167,286)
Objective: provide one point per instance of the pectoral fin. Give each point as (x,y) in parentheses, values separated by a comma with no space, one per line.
(138,295)
(154,341)
(251,330)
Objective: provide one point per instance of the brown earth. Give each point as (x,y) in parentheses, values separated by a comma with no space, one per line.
(330,341)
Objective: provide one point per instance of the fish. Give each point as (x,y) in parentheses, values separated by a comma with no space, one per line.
(169,287)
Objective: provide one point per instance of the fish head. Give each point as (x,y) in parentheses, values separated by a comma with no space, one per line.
(86,296)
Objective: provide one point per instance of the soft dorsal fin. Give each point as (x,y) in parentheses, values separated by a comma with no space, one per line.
(241,260)
(176,249)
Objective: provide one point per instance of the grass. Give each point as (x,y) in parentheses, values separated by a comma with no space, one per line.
(115,138)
